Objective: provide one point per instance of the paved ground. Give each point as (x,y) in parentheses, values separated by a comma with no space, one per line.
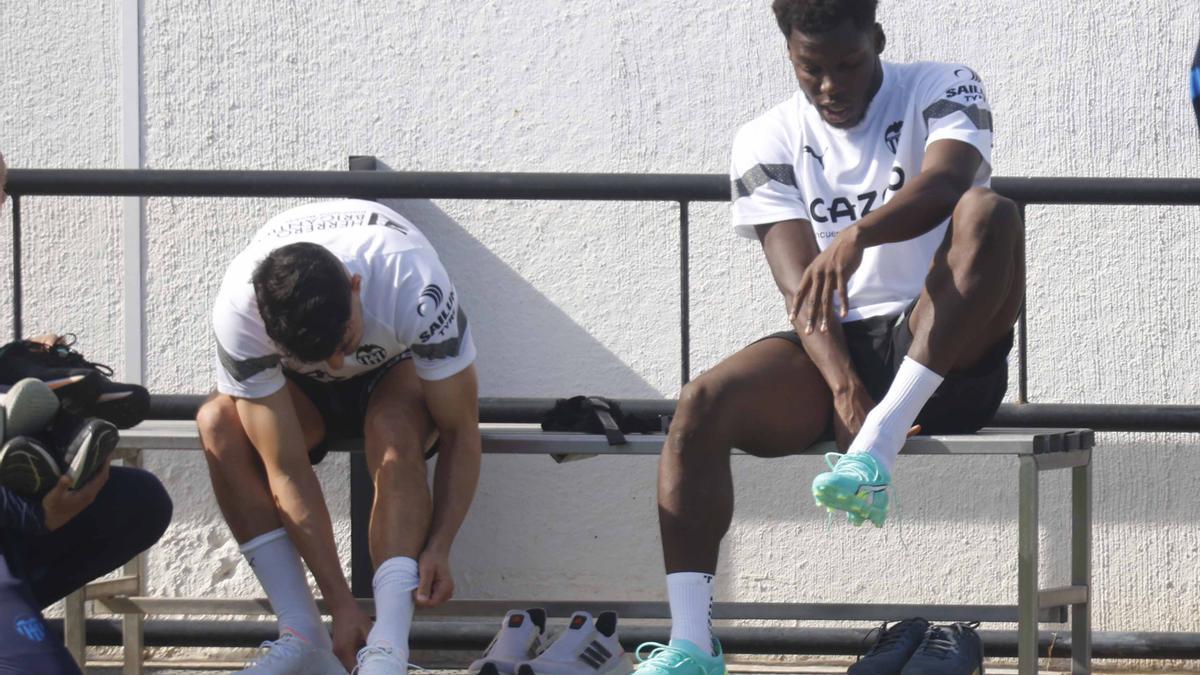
(734,669)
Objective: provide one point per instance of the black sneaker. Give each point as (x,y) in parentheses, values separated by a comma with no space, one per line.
(952,649)
(83,387)
(894,645)
(27,467)
(84,444)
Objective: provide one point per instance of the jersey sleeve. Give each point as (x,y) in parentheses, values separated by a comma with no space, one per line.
(954,106)
(763,178)
(431,320)
(247,363)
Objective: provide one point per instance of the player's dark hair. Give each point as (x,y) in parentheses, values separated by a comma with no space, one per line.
(820,16)
(303,295)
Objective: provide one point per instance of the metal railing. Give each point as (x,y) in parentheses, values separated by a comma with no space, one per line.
(681,189)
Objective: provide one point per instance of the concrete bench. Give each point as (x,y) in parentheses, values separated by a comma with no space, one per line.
(1037,450)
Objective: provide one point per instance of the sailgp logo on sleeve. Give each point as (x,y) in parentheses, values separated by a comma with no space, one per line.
(892,135)
(31,628)
(431,298)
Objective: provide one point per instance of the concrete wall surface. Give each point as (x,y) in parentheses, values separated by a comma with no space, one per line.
(582,297)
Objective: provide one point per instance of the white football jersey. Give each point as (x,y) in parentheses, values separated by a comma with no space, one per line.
(408,300)
(790,165)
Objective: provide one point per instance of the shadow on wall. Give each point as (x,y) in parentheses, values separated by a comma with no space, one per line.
(527,345)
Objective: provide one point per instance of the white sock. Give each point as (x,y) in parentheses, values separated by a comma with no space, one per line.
(690,596)
(278,567)
(394,582)
(886,427)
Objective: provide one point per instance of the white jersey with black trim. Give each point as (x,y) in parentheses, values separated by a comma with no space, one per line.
(788,164)
(408,300)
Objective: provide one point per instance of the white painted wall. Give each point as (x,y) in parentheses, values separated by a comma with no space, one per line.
(570,297)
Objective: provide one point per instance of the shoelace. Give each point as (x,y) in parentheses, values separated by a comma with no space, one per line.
(63,349)
(383,651)
(287,646)
(941,641)
(662,656)
(887,638)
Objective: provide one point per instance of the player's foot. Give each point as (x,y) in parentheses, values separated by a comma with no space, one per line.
(856,484)
(952,649)
(681,657)
(380,659)
(893,647)
(521,638)
(27,467)
(584,648)
(292,655)
(28,407)
(84,444)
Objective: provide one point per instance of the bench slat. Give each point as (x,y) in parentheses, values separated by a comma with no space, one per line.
(531,440)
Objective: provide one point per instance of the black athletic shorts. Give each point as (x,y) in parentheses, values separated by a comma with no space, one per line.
(966,400)
(342,403)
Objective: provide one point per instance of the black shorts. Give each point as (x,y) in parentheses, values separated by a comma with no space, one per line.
(342,403)
(966,400)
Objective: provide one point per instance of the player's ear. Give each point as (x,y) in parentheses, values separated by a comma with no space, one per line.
(355,283)
(880,39)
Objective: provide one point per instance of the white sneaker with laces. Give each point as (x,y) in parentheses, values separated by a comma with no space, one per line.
(522,636)
(584,648)
(380,659)
(291,655)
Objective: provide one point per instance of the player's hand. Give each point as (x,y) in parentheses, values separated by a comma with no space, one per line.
(849,412)
(61,503)
(828,274)
(350,628)
(437,584)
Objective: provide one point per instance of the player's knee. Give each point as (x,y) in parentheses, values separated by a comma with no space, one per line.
(987,219)
(401,465)
(700,408)
(216,419)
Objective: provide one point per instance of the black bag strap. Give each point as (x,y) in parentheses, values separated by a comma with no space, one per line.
(603,411)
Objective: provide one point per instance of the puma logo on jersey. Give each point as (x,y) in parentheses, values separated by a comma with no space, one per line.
(820,158)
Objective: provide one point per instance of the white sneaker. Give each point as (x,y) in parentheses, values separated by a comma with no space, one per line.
(522,637)
(380,659)
(291,655)
(584,648)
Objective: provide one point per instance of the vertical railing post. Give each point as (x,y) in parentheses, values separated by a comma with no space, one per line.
(17,300)
(1023,323)
(685,350)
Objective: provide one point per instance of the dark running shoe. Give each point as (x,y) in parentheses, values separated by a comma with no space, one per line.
(952,649)
(84,444)
(894,645)
(27,467)
(83,387)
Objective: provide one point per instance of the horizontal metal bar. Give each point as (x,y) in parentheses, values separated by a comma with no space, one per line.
(474,636)
(766,611)
(371,184)
(1063,460)
(1064,596)
(531,440)
(564,186)
(111,587)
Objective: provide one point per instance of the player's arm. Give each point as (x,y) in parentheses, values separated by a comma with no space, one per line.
(274,430)
(454,406)
(947,172)
(790,246)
